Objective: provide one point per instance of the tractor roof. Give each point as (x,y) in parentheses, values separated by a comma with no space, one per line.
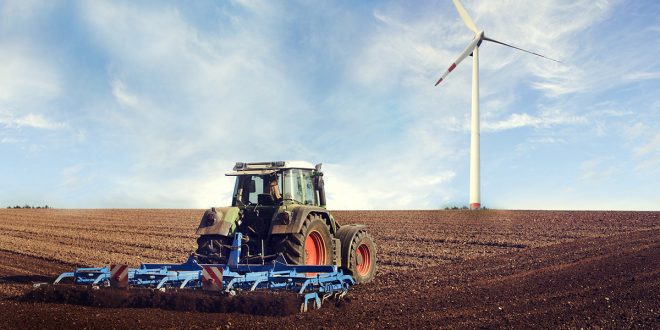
(262,168)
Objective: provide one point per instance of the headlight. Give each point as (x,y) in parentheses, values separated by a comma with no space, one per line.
(210,217)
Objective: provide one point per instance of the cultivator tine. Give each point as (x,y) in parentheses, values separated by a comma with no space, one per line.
(119,276)
(212,278)
(312,297)
(63,276)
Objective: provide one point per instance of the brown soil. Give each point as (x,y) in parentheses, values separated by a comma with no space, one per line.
(437,269)
(257,303)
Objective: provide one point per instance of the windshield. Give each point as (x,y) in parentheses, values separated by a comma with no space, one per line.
(298,187)
(292,185)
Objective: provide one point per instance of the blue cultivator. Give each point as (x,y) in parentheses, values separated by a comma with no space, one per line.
(313,283)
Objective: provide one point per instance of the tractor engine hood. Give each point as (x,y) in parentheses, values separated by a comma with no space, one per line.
(219,221)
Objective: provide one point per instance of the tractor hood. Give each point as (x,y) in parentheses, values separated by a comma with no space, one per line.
(219,221)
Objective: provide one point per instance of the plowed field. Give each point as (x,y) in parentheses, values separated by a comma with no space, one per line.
(437,269)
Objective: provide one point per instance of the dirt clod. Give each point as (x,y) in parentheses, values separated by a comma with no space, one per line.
(254,303)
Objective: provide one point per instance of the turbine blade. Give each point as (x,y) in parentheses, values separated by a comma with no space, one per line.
(527,51)
(460,58)
(464,15)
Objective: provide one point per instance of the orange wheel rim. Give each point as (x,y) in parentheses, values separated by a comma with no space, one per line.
(315,249)
(363,260)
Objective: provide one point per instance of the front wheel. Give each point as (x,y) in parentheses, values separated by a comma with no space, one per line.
(358,253)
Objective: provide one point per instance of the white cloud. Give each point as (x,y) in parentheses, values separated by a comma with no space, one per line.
(29,82)
(597,169)
(30,120)
(637,76)
(536,142)
(392,185)
(203,187)
(200,95)
(217,82)
(652,146)
(650,164)
(635,130)
(124,97)
(76,176)
(545,120)
(26,80)
(9,140)
(257,6)
(643,142)
(547,27)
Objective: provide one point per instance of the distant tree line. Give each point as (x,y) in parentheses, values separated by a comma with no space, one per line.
(29,207)
(464,207)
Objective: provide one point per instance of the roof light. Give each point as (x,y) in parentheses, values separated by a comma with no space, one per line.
(239,166)
(279,164)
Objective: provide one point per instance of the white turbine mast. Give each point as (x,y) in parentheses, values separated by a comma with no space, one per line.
(473,48)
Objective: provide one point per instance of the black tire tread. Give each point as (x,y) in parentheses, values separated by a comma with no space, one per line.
(292,245)
(348,264)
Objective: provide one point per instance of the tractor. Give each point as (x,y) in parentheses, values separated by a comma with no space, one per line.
(280,210)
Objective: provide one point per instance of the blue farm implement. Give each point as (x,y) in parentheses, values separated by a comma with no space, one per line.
(313,283)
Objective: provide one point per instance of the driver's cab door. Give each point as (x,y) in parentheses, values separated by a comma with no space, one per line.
(299,187)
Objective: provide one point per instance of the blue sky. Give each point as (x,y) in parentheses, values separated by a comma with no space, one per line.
(147,104)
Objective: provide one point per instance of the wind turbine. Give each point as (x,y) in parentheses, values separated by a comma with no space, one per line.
(473,49)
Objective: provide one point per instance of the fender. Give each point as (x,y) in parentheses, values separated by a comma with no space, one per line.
(298,214)
(346,234)
(219,221)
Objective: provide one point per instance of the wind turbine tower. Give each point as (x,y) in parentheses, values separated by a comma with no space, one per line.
(473,49)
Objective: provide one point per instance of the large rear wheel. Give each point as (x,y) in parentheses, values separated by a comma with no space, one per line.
(312,245)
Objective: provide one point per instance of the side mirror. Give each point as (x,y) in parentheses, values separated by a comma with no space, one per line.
(317,172)
(253,186)
(318,182)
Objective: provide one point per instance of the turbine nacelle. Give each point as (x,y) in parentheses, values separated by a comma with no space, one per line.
(480,36)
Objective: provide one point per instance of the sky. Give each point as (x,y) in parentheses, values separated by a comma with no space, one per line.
(146,104)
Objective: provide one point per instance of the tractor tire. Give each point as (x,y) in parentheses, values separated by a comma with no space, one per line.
(213,249)
(312,245)
(358,255)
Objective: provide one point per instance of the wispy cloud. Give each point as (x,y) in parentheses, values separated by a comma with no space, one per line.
(9,140)
(637,76)
(643,142)
(387,186)
(523,120)
(29,82)
(124,97)
(597,169)
(536,142)
(649,147)
(29,120)
(76,177)
(25,78)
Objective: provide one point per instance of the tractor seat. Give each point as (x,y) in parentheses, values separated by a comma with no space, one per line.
(265,199)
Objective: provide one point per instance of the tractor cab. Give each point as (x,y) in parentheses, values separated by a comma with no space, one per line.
(277,183)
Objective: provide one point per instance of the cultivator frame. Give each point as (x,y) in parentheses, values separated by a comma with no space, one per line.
(313,283)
